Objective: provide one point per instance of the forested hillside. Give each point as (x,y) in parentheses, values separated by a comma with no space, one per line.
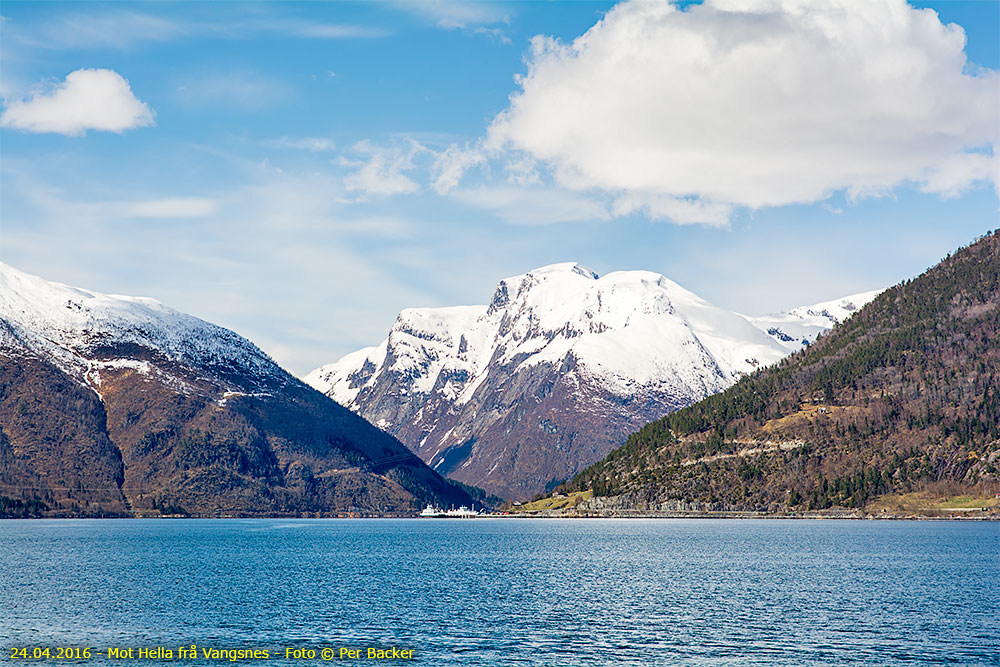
(902,397)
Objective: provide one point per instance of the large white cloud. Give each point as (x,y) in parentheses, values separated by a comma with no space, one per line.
(755,103)
(89,99)
(384,172)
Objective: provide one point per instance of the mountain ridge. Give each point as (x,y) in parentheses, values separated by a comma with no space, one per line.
(561,364)
(120,405)
(799,326)
(901,399)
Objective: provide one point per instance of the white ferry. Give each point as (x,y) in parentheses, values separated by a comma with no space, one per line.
(435,512)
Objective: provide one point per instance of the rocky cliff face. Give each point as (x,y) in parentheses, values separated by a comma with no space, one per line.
(112,405)
(551,375)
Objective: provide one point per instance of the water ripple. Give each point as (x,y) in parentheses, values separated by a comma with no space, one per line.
(520,592)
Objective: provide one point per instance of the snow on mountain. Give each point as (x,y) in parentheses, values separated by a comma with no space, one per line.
(135,406)
(577,357)
(83,331)
(798,327)
(628,329)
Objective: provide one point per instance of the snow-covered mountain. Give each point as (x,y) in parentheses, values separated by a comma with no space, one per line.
(552,374)
(799,327)
(116,404)
(76,329)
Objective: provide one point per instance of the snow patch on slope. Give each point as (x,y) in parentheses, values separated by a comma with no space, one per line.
(626,331)
(798,327)
(81,331)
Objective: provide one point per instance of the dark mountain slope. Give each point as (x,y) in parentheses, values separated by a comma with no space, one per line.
(54,445)
(902,397)
(522,394)
(118,405)
(285,451)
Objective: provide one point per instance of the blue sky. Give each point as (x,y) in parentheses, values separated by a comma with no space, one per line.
(301,172)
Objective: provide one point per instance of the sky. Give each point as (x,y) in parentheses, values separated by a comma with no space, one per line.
(301,172)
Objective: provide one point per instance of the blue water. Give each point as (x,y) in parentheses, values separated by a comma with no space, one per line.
(514,592)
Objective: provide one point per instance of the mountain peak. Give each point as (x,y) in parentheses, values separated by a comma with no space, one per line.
(799,326)
(492,395)
(563,267)
(563,276)
(119,404)
(72,326)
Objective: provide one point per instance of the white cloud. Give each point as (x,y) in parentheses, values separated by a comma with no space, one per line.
(523,170)
(494,33)
(128,29)
(89,99)
(451,164)
(954,175)
(534,206)
(383,172)
(245,89)
(680,210)
(331,30)
(117,29)
(54,204)
(754,103)
(311,144)
(174,208)
(455,14)
(85,213)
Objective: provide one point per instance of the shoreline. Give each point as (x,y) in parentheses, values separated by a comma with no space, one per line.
(974,515)
(985,516)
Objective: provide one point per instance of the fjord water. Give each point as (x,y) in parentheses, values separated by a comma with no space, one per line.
(514,592)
